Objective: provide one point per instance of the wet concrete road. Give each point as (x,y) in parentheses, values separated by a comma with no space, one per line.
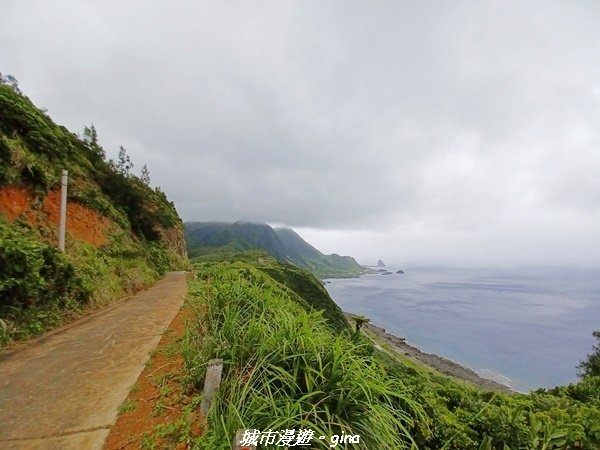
(63,391)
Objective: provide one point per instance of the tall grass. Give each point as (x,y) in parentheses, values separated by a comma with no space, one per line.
(284,368)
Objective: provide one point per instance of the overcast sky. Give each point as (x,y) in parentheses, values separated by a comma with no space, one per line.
(462,132)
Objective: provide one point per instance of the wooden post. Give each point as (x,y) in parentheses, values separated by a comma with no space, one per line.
(63,211)
(211,384)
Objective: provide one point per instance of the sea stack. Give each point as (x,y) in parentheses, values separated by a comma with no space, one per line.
(380,263)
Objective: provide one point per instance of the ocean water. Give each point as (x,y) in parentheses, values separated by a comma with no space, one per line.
(528,328)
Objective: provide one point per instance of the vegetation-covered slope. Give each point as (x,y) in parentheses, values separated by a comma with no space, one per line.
(203,238)
(121,234)
(286,367)
(305,255)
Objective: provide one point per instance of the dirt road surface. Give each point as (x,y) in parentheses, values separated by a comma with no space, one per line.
(63,390)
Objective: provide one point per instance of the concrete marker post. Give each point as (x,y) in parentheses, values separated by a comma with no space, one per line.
(212,381)
(63,211)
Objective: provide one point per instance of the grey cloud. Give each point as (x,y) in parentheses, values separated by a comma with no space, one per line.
(461,131)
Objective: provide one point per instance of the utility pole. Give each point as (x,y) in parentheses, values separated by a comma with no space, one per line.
(63,211)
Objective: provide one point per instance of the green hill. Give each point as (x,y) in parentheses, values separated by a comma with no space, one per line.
(305,255)
(209,238)
(121,234)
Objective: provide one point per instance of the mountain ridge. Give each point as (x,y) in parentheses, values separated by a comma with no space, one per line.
(283,243)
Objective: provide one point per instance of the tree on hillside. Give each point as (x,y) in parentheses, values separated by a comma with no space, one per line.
(359,321)
(90,137)
(145,177)
(124,164)
(11,81)
(591,366)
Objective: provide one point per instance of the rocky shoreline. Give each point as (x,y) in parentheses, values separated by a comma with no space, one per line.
(439,363)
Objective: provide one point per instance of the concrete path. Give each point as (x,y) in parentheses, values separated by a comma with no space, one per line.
(63,391)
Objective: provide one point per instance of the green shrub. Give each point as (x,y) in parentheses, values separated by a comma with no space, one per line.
(33,273)
(590,366)
(39,286)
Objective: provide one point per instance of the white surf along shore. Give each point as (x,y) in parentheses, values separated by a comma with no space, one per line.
(487,380)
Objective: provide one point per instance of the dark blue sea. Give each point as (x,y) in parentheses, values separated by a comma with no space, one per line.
(526,328)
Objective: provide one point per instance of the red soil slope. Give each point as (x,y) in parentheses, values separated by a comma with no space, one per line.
(83,223)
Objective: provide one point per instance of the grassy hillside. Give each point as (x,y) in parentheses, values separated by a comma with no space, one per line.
(287,366)
(305,255)
(121,234)
(205,239)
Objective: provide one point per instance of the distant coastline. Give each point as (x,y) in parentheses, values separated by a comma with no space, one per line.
(439,363)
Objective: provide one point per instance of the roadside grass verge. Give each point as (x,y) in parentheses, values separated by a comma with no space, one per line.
(284,368)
